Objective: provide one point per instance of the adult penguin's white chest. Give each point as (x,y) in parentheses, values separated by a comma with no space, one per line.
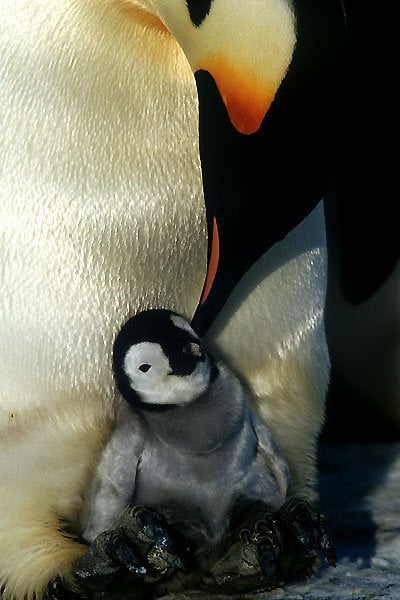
(101,205)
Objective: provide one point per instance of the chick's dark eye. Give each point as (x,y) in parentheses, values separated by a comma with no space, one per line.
(145,367)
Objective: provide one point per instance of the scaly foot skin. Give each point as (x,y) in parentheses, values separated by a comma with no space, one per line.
(142,546)
(270,549)
(307,538)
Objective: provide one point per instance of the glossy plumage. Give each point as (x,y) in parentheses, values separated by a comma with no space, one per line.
(103,214)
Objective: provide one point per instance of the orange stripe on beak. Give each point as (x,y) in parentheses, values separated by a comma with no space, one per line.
(245,45)
(247,99)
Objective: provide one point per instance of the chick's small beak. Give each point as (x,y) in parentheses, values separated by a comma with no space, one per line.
(194,349)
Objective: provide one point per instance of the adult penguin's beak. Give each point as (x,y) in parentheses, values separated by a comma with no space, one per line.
(246,45)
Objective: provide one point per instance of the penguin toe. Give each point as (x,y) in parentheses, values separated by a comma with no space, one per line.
(142,547)
(252,555)
(166,551)
(307,538)
(95,571)
(268,541)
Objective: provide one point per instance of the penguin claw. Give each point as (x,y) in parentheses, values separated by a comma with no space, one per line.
(165,549)
(95,570)
(142,545)
(268,545)
(308,528)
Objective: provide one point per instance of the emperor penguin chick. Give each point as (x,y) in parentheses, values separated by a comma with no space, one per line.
(186,443)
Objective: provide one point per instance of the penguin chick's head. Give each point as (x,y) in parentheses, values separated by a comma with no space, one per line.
(159,360)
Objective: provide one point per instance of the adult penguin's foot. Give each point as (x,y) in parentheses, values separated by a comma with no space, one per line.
(142,548)
(307,539)
(268,549)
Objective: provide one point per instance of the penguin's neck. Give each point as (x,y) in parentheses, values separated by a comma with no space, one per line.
(203,425)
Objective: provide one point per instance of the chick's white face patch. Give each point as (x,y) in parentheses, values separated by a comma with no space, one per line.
(146,366)
(150,375)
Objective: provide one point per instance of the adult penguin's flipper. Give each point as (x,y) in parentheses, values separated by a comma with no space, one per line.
(258,187)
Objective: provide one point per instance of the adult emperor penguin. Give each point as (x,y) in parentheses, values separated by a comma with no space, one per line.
(102,214)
